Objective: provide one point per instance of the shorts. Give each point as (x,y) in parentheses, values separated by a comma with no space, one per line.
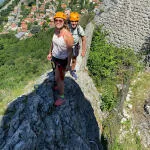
(60,62)
(76,49)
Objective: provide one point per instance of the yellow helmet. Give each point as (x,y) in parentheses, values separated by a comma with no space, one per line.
(74,16)
(60,15)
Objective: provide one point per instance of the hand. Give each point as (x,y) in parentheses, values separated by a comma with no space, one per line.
(49,56)
(83,53)
(68,67)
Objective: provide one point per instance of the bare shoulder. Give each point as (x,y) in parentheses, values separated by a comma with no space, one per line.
(68,33)
(68,38)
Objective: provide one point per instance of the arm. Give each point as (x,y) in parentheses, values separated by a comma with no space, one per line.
(83,46)
(69,42)
(49,56)
(81,32)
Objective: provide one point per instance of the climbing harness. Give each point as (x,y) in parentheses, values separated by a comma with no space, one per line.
(60,68)
(53,67)
(54,82)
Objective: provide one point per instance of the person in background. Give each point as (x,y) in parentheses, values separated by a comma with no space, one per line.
(51,23)
(78,33)
(60,53)
(67,12)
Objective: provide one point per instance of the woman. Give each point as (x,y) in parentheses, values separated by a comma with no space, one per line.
(61,52)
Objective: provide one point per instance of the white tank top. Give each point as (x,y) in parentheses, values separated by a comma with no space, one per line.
(59,47)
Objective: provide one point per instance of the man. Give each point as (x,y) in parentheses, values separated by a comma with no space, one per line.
(78,33)
(67,12)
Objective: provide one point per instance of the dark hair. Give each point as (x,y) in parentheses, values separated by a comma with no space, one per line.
(66,25)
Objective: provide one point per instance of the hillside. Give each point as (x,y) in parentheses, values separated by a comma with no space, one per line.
(36,124)
(127,23)
(108,109)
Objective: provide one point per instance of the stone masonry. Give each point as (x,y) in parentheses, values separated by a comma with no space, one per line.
(127,21)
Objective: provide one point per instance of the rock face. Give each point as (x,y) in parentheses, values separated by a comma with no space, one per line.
(32,122)
(128,22)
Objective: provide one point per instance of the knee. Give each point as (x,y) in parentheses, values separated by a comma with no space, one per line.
(56,78)
(74,60)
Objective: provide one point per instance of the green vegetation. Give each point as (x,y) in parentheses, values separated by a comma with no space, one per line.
(110,66)
(85,19)
(141,90)
(31,2)
(25,11)
(131,141)
(76,5)
(117,140)
(21,62)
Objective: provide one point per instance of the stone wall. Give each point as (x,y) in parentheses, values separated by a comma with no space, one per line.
(82,61)
(127,21)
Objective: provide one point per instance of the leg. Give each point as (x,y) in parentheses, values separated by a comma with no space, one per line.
(73,63)
(60,84)
(59,81)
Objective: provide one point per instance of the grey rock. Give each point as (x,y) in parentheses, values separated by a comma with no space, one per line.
(71,125)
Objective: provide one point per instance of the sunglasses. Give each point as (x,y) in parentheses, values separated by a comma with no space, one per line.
(59,20)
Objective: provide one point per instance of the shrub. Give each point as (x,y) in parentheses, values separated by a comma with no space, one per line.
(22,61)
(109,65)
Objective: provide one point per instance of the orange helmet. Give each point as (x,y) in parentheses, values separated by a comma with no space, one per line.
(74,16)
(60,15)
